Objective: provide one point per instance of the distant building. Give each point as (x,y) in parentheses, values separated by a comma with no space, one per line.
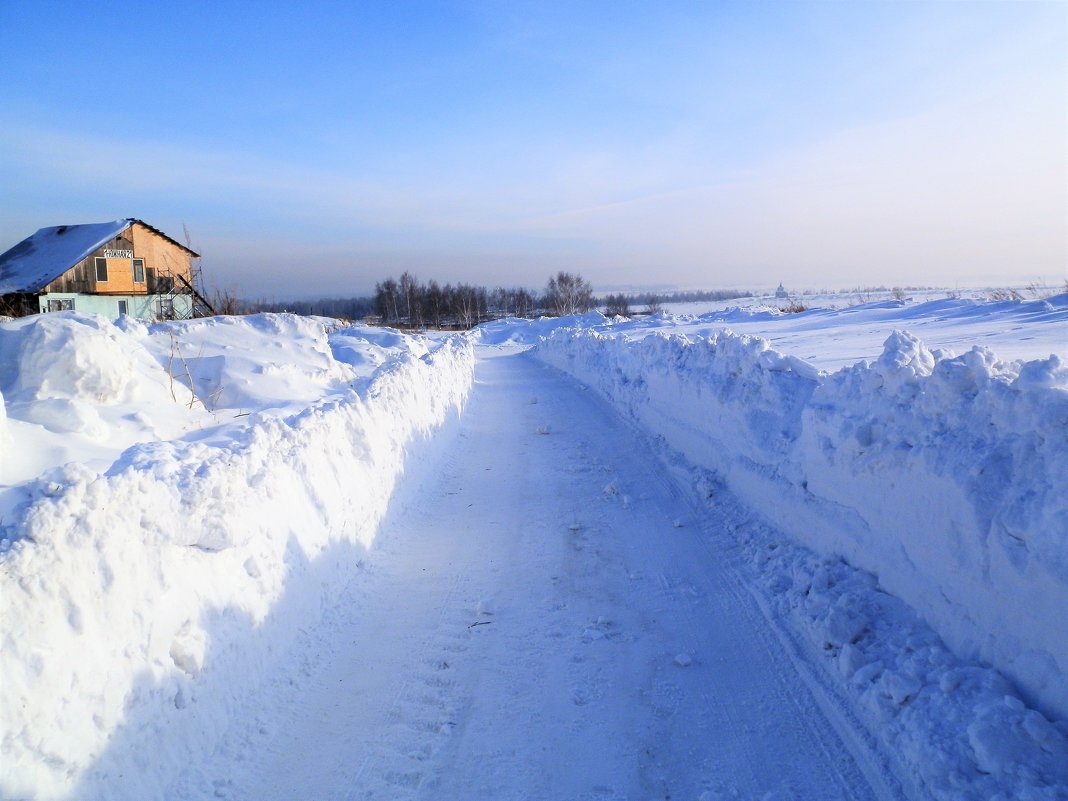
(113,268)
(781,292)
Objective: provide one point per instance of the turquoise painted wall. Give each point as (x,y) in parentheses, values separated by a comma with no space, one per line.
(144,307)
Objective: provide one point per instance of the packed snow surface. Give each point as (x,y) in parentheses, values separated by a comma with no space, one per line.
(745,555)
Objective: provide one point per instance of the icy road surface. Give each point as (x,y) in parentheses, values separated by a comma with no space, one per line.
(545,617)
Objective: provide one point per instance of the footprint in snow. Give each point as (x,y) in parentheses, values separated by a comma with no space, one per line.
(586,693)
(599,629)
(590,635)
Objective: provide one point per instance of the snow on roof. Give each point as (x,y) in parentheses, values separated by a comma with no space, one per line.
(40,259)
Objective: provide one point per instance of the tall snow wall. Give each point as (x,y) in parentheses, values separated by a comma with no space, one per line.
(945,477)
(137,606)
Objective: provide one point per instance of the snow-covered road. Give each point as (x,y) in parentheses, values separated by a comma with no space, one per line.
(546,615)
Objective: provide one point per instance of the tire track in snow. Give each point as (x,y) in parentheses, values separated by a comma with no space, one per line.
(572,689)
(715,523)
(680,591)
(728,585)
(396,759)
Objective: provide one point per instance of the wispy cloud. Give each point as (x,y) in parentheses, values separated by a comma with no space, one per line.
(693,145)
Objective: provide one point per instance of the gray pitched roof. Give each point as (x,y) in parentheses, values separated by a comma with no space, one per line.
(37,261)
(40,259)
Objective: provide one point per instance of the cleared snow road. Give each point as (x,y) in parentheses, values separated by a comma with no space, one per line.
(533,624)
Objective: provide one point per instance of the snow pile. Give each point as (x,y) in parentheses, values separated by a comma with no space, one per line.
(245,372)
(523,331)
(59,371)
(958,471)
(835,338)
(947,477)
(276,361)
(80,388)
(141,596)
(832,338)
(961,729)
(77,387)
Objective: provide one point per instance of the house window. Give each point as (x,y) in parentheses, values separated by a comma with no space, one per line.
(123,308)
(139,271)
(101,269)
(166,308)
(60,304)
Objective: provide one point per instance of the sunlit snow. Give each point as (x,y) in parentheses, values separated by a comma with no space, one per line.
(726,554)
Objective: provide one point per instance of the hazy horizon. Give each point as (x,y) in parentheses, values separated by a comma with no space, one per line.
(798,289)
(313,151)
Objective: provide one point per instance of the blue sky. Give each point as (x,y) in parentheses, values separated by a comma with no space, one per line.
(312,149)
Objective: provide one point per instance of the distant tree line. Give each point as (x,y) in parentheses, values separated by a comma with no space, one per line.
(688,296)
(623,304)
(355,308)
(408,302)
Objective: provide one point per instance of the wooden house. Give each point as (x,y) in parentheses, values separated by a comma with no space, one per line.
(115,268)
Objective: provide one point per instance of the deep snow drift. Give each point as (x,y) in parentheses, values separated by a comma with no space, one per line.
(148,588)
(181,503)
(944,476)
(829,338)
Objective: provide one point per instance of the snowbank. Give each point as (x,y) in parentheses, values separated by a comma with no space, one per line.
(138,602)
(275,361)
(524,331)
(946,477)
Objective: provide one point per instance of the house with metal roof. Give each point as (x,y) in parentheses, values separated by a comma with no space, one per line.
(113,268)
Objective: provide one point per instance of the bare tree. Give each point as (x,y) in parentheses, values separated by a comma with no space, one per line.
(617,304)
(434,302)
(470,304)
(499,301)
(386,297)
(653,306)
(511,302)
(409,291)
(465,305)
(523,303)
(568,294)
(225,301)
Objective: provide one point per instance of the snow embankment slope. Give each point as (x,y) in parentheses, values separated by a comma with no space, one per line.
(140,600)
(946,477)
